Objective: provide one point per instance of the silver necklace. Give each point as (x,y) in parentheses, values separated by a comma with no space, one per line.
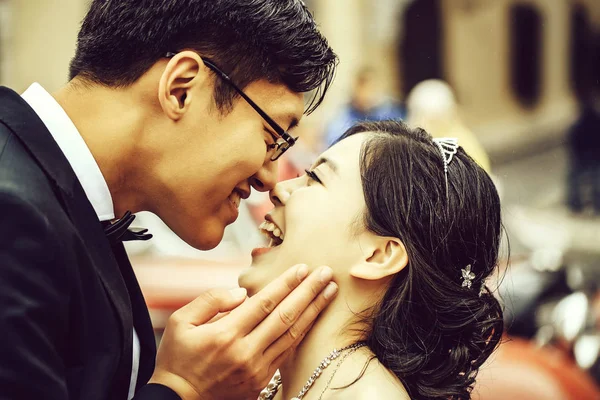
(336,370)
(272,388)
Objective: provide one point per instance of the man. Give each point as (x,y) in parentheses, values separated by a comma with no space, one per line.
(367,103)
(178,107)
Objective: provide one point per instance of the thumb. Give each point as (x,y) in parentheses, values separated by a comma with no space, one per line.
(210,303)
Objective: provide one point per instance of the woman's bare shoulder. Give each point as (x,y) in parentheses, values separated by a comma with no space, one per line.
(376,383)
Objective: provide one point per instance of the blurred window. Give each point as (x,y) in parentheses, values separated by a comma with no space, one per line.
(525,53)
(421,55)
(584,67)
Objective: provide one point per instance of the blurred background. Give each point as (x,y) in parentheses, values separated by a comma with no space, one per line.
(517,81)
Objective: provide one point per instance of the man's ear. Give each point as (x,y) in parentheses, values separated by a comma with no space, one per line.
(384,257)
(183,71)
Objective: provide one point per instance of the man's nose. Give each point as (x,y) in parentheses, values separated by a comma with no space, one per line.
(266,177)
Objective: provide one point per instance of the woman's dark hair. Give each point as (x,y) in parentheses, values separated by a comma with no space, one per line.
(432,332)
(276,40)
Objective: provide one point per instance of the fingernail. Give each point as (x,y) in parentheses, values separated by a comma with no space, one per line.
(238,293)
(330,291)
(326,274)
(302,272)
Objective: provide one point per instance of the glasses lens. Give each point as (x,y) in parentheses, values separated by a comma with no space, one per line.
(278,152)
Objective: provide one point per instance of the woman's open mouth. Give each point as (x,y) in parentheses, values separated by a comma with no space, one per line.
(273,233)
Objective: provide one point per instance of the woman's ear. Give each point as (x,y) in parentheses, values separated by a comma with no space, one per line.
(384,257)
(180,75)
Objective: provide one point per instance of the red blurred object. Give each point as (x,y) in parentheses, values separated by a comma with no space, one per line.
(169,283)
(519,370)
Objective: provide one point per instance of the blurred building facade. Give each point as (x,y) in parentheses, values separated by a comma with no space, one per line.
(482,48)
(510,62)
(38,41)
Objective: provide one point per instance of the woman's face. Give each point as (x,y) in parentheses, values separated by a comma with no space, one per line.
(318,216)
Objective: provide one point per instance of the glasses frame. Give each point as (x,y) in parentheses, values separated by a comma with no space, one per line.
(284,141)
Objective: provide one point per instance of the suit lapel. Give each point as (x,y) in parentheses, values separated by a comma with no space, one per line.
(141,317)
(18,116)
(86,222)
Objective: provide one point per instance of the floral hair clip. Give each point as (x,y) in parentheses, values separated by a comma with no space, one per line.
(467,276)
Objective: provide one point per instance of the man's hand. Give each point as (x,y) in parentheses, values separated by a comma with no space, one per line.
(234,356)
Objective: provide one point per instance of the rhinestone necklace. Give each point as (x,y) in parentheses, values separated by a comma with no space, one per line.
(336,370)
(272,388)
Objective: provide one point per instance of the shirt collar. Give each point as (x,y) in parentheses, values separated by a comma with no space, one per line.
(74,148)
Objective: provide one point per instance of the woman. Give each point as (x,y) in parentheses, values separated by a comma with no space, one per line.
(410,246)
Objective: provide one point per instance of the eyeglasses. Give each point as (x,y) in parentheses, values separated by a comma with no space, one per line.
(283,140)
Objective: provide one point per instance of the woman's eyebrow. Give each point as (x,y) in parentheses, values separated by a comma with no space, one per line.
(325,161)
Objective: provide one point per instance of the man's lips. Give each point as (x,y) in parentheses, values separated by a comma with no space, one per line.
(234,204)
(243,191)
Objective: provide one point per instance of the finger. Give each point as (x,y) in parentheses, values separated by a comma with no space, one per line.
(246,317)
(223,314)
(218,317)
(307,301)
(302,336)
(283,353)
(294,336)
(278,362)
(210,303)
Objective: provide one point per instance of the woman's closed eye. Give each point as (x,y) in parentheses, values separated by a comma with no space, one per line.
(311,175)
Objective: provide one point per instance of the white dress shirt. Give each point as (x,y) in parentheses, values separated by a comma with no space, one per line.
(86,169)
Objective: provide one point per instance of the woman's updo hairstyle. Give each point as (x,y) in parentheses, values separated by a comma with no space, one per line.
(429,329)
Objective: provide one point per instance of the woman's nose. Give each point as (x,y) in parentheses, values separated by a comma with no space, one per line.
(281,193)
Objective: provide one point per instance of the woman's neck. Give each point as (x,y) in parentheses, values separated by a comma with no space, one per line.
(327,334)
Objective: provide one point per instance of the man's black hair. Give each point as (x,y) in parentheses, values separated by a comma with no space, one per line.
(276,40)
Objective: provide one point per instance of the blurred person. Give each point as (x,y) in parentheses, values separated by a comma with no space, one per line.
(173,107)
(584,156)
(367,103)
(432,106)
(411,247)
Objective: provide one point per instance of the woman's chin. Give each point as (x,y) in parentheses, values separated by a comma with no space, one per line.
(262,271)
(245,280)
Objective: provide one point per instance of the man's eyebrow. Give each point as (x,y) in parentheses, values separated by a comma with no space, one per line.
(294,123)
(323,160)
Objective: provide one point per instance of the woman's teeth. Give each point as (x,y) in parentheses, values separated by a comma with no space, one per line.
(272,232)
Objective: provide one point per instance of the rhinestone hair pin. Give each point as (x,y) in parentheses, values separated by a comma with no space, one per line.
(467,276)
(448,147)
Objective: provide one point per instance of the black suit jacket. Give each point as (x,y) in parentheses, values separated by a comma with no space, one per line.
(68,298)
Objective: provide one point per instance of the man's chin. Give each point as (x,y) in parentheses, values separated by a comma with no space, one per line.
(207,237)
